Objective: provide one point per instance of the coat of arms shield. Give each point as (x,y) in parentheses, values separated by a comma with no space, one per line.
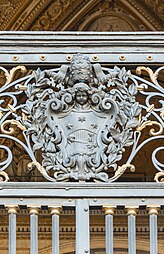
(81,119)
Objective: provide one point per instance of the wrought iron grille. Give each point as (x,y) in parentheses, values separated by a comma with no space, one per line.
(78,110)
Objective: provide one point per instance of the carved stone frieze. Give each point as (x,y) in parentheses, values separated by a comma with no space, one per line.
(157,7)
(57,14)
(7,10)
(73,15)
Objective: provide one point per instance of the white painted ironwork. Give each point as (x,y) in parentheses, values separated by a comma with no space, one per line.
(82,227)
(12,210)
(109,212)
(153,212)
(82,214)
(33,230)
(55,212)
(62,84)
(131,211)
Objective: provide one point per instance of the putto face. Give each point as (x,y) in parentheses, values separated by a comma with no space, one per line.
(81,97)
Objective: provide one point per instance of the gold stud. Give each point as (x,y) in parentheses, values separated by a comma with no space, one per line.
(122,58)
(15,58)
(95,58)
(69,58)
(149,58)
(42,58)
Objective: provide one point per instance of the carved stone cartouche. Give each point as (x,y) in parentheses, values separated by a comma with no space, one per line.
(81,118)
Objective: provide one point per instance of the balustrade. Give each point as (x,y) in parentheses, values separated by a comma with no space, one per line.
(83,206)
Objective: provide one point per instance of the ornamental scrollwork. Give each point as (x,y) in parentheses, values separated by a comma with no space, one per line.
(81,117)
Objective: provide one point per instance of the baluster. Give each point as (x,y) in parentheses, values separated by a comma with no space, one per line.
(82,227)
(12,211)
(153,212)
(132,212)
(55,212)
(109,211)
(33,230)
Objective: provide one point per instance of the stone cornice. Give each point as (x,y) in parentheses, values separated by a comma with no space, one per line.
(110,45)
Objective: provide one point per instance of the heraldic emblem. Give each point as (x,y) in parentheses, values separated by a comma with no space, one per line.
(81,120)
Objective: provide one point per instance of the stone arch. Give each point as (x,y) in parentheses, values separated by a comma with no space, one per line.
(97,244)
(78,15)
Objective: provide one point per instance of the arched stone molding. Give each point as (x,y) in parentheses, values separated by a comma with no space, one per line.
(109,21)
(99,243)
(26,15)
(78,15)
(121,17)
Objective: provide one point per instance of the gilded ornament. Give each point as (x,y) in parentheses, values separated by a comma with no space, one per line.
(10,75)
(15,58)
(162,114)
(4,177)
(95,58)
(159,177)
(11,130)
(152,131)
(153,76)
(122,58)
(43,58)
(149,57)
(80,118)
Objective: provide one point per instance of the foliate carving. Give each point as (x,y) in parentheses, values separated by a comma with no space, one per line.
(60,15)
(51,15)
(7,11)
(157,6)
(78,119)
(81,118)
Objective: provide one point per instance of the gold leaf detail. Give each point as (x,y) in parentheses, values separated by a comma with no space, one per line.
(158,175)
(4,177)
(24,117)
(121,169)
(22,88)
(152,131)
(162,114)
(151,107)
(10,75)
(11,108)
(11,130)
(1,114)
(153,76)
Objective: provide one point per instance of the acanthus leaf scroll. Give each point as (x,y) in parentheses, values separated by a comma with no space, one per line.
(81,119)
